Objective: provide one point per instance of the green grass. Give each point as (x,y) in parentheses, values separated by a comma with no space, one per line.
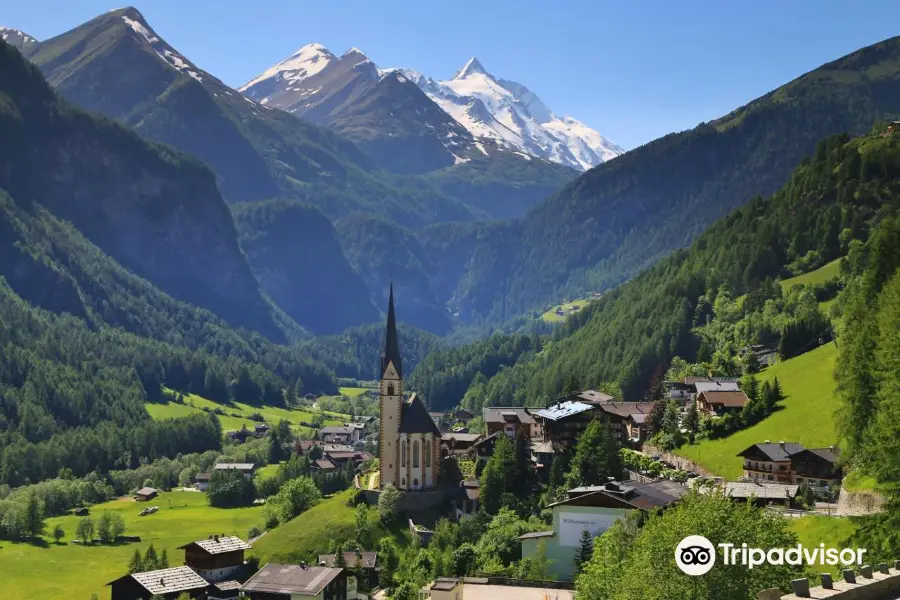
(550,316)
(72,571)
(857,481)
(807,414)
(820,275)
(813,530)
(312,532)
(230,422)
(353,392)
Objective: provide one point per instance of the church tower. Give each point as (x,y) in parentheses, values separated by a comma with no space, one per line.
(391,394)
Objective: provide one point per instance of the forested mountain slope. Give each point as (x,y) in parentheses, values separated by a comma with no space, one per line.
(629,337)
(624,214)
(296,254)
(155,211)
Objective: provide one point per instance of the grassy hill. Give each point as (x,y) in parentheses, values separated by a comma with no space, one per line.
(807,415)
(72,571)
(550,315)
(820,275)
(237,414)
(313,531)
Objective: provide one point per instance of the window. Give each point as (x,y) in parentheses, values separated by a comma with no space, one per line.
(402,454)
(390,389)
(415,457)
(428,453)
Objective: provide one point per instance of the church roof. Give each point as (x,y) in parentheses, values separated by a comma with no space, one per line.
(414,418)
(391,345)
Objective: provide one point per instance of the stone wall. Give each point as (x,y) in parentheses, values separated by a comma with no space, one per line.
(681,462)
(859,503)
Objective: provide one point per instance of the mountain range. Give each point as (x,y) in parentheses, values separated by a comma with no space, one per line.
(473,113)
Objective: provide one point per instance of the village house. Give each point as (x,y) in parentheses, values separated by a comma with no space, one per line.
(339,434)
(300,582)
(201,481)
(242,434)
(323,464)
(564,422)
(592,397)
(719,403)
(627,419)
(509,420)
(248,469)
(145,494)
(483,449)
(218,558)
(167,583)
(463,415)
(792,463)
(456,443)
(483,588)
(761,493)
(466,502)
(594,509)
(359,561)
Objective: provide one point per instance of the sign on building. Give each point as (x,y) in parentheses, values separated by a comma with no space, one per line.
(572,524)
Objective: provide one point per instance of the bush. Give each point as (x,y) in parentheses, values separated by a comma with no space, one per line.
(229,489)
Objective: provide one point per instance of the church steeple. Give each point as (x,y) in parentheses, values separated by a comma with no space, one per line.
(391,346)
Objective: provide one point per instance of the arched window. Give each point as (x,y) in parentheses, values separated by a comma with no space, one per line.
(427,453)
(415,454)
(390,389)
(402,454)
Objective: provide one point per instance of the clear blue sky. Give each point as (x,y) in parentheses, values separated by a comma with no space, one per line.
(632,70)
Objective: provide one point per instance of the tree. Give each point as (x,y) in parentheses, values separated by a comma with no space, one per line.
(585,550)
(751,388)
(58,533)
(229,488)
(646,569)
(295,497)
(363,529)
(388,504)
(104,527)
(151,560)
(136,564)
(163,561)
(655,418)
(463,559)
(85,530)
(390,562)
(339,560)
(539,565)
(499,478)
(34,515)
(692,420)
(596,457)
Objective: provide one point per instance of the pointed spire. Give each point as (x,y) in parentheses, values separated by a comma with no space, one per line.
(391,345)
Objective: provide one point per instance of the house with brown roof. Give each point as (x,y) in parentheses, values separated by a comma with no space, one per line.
(217,558)
(299,582)
(145,494)
(721,402)
(339,434)
(168,583)
(459,443)
(248,469)
(509,420)
(792,463)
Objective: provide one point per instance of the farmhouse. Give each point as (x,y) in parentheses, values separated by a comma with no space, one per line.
(299,582)
(145,494)
(594,509)
(217,558)
(168,583)
(339,434)
(510,420)
(483,449)
(792,463)
(721,402)
(459,443)
(201,481)
(248,469)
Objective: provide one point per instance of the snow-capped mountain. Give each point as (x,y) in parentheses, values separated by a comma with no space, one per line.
(17,38)
(512,115)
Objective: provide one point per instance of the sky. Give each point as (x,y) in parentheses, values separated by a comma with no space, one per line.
(634,70)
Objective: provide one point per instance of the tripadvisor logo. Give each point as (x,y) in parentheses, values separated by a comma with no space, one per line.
(696,555)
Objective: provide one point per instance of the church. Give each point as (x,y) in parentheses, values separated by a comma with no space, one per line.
(408,441)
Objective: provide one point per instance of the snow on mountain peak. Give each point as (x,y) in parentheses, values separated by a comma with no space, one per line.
(472,67)
(302,64)
(354,50)
(162,49)
(15,37)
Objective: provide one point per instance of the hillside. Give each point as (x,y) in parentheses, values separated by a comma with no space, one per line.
(154,211)
(628,337)
(808,414)
(297,257)
(626,214)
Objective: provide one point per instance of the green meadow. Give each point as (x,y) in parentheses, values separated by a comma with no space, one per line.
(70,570)
(807,414)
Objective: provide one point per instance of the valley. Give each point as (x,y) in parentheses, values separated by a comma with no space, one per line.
(394,329)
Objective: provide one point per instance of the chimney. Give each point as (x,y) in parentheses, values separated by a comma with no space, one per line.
(781,443)
(768,441)
(162,582)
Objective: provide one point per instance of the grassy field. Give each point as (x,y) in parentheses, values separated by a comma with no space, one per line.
(820,275)
(72,571)
(807,414)
(813,530)
(551,317)
(237,414)
(353,392)
(857,481)
(313,531)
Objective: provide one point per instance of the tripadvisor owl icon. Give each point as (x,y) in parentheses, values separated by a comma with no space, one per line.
(695,555)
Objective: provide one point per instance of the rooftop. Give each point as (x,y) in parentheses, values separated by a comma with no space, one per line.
(716,386)
(168,581)
(731,398)
(219,544)
(445,583)
(146,491)
(763,490)
(366,559)
(501,414)
(235,466)
(339,429)
(562,410)
(290,579)
(645,496)
(594,396)
(777,452)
